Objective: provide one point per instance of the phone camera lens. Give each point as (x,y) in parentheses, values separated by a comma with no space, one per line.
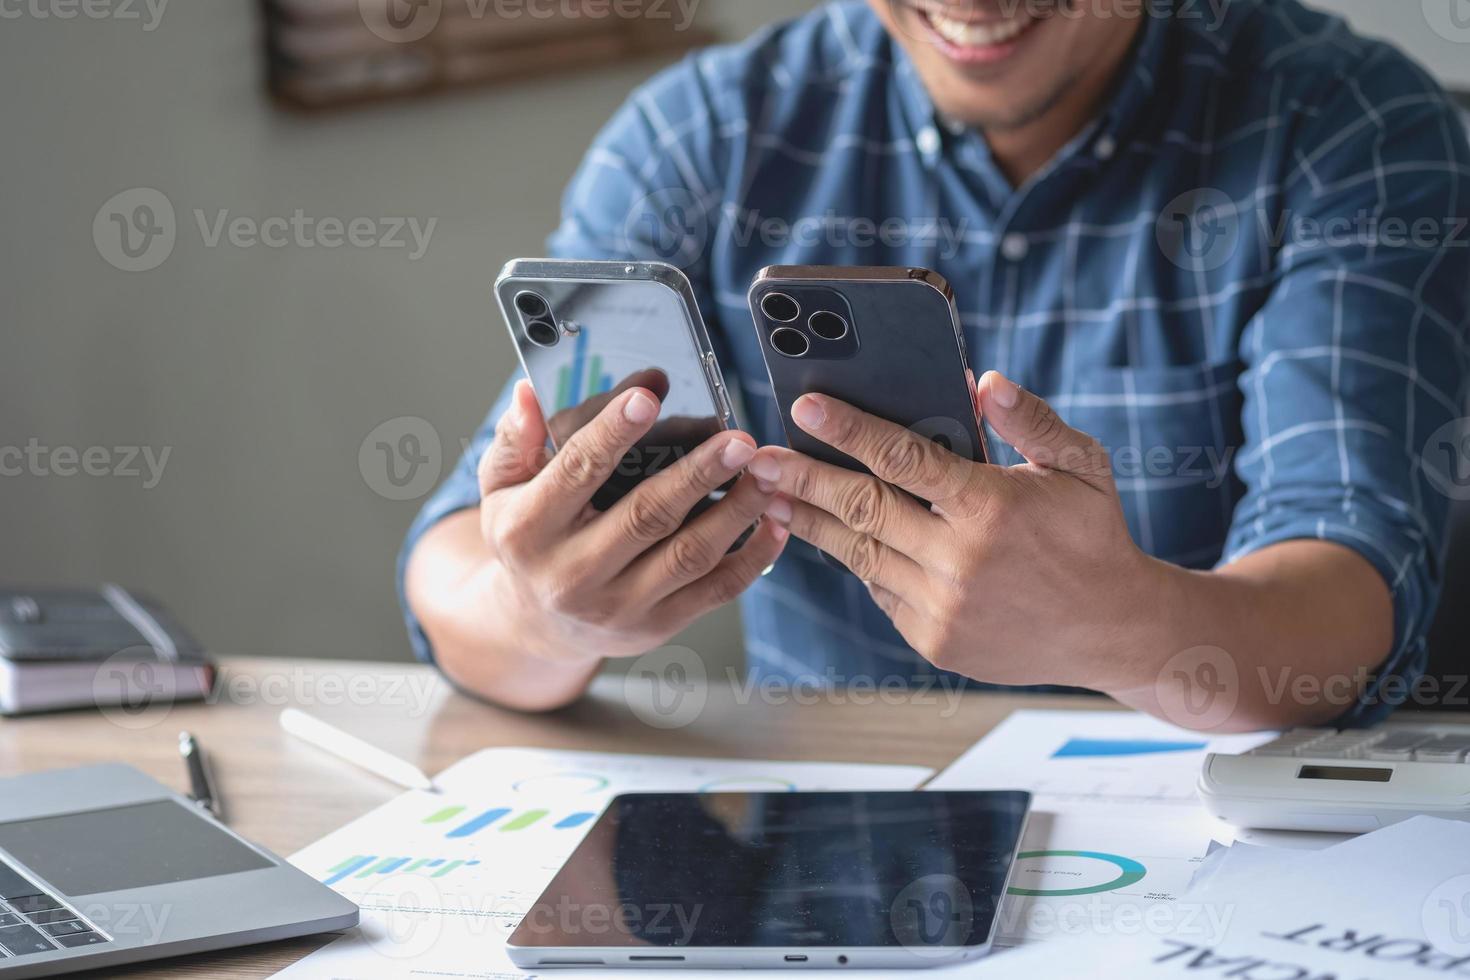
(780,307)
(531,305)
(828,325)
(790,341)
(543,333)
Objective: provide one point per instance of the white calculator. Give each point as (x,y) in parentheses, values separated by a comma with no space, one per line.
(1350,781)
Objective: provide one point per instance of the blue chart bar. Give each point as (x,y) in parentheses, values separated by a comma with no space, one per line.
(478,823)
(575,820)
(1077,748)
(392,865)
(349,867)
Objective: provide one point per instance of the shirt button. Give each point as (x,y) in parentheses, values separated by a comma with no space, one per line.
(1014,247)
(1106,147)
(928,141)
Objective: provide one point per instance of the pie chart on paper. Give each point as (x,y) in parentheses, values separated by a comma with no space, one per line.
(1060,873)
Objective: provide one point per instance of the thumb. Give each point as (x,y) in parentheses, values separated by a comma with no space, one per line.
(1036,431)
(518,451)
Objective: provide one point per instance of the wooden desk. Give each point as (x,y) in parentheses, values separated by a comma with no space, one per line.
(283,794)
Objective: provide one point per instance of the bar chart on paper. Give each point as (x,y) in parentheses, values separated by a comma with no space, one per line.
(443,877)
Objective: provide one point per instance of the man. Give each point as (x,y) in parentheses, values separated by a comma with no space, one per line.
(1212,259)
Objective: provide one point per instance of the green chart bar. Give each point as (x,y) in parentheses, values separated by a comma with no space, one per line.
(524,820)
(448,813)
(375,867)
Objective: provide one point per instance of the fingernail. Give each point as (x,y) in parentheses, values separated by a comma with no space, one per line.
(765,487)
(780,510)
(779,533)
(808,413)
(736,454)
(765,468)
(640,409)
(1004,390)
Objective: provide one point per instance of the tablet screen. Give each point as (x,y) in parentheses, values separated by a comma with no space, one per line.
(862,869)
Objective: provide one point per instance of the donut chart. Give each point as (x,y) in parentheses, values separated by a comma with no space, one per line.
(1074,873)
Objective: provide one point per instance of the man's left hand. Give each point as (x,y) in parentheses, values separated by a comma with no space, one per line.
(1016,575)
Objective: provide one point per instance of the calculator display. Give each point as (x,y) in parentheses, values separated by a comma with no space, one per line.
(1361,774)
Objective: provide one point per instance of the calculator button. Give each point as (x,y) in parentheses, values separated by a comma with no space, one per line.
(1447,748)
(1397,746)
(20,940)
(80,939)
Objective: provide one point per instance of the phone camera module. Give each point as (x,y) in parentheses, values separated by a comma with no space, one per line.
(790,342)
(780,307)
(828,325)
(542,333)
(531,305)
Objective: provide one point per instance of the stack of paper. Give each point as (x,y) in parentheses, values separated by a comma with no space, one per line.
(1391,904)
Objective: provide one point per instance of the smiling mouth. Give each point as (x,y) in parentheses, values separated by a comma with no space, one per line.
(972,40)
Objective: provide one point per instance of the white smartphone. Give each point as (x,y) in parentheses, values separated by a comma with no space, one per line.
(587,330)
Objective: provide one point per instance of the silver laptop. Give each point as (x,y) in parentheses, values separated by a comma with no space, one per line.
(101,866)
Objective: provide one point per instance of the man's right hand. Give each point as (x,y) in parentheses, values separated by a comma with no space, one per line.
(580,584)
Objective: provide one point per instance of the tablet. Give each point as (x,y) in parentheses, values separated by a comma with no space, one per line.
(759,880)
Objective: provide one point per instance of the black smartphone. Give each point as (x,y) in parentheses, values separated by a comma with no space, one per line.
(884,339)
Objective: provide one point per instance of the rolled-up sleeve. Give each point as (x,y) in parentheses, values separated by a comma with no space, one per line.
(638,194)
(1356,365)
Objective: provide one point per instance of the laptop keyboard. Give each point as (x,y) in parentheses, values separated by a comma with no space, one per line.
(31,921)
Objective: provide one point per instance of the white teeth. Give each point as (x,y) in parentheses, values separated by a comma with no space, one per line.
(976,35)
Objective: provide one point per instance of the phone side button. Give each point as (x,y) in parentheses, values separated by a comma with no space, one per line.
(726,410)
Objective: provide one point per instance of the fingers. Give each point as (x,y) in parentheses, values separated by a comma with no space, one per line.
(518,451)
(695,550)
(866,504)
(867,558)
(569,420)
(895,454)
(730,577)
(656,508)
(585,461)
(1036,431)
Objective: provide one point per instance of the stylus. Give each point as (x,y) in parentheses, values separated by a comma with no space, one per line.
(201,782)
(350,748)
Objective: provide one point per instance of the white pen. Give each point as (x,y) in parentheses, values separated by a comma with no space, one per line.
(350,748)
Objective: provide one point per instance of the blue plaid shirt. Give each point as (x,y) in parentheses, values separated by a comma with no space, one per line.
(1247,278)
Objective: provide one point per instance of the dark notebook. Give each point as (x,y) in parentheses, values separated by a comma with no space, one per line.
(71,648)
